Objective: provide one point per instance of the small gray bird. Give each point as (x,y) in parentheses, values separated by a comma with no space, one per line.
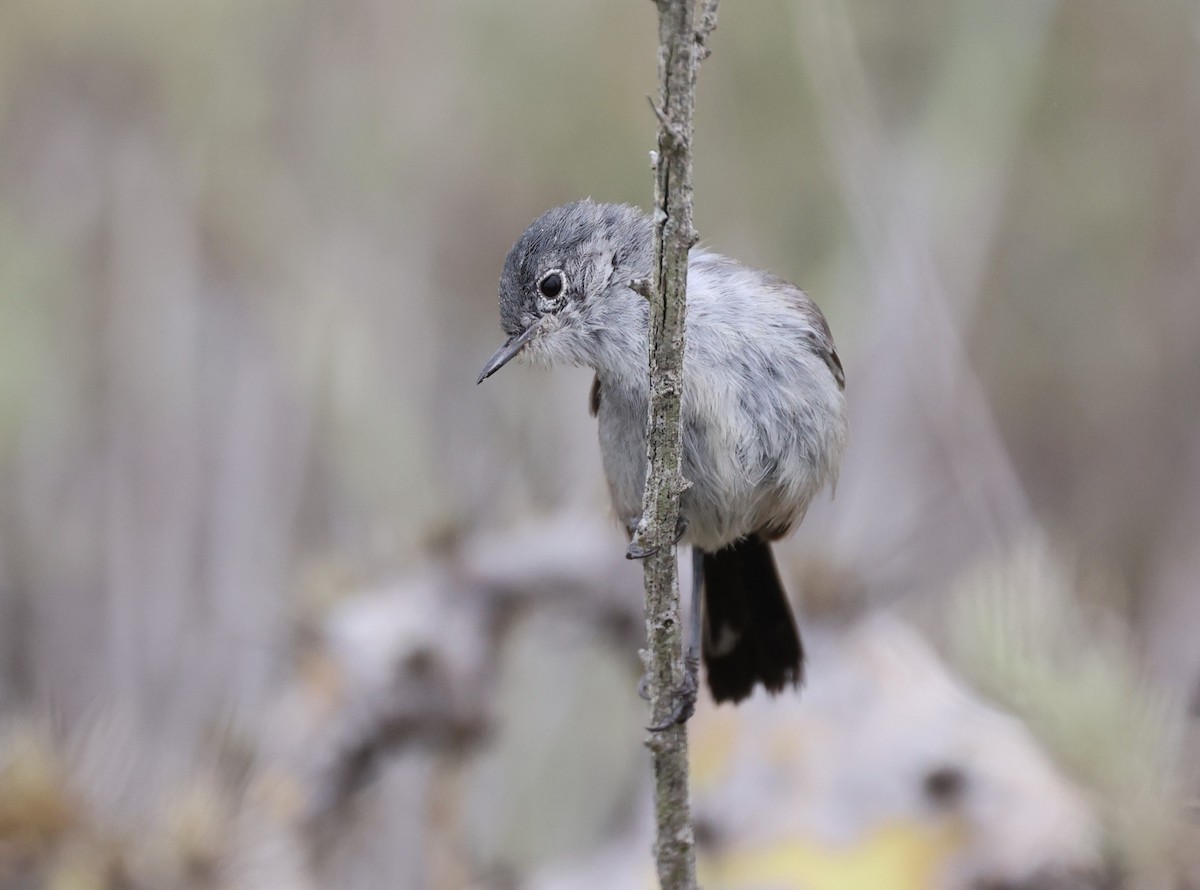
(764,418)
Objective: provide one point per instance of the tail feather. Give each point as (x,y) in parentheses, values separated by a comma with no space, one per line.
(750,634)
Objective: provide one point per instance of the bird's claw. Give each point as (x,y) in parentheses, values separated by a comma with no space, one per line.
(639,550)
(683,699)
(643,689)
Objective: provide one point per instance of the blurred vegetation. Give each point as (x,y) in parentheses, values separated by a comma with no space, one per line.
(1042,641)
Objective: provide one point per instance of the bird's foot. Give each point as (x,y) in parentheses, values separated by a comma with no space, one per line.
(683,697)
(638,549)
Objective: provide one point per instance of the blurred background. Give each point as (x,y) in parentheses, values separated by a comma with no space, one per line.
(286,601)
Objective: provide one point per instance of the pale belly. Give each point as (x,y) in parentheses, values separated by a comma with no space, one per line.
(743,480)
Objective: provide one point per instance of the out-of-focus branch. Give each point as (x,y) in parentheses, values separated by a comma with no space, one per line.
(413,664)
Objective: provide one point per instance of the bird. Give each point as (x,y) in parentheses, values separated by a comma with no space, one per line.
(763,412)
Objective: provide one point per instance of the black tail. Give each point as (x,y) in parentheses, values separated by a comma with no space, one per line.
(749,633)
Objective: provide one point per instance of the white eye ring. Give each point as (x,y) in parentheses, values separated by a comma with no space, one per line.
(552,285)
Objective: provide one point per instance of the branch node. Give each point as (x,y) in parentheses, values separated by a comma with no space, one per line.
(708,24)
(671,135)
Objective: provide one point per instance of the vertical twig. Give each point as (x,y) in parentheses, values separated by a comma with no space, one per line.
(682,39)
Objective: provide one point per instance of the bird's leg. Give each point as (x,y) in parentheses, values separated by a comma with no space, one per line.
(639,550)
(691,654)
(684,698)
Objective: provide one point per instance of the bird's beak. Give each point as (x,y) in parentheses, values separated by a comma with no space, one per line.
(508,351)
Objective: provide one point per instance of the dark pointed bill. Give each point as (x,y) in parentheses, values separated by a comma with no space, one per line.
(508,352)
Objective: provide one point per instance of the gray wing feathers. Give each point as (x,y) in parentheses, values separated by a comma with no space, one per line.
(821,340)
(732,281)
(819,337)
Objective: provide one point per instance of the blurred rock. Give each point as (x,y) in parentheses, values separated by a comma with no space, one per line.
(884,772)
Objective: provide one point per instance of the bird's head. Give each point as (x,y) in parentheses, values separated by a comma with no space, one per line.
(558,277)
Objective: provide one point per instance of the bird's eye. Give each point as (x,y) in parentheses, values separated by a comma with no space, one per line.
(550,285)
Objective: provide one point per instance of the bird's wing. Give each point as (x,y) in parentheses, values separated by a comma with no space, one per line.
(594,397)
(819,337)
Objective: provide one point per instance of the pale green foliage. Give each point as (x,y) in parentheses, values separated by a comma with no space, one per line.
(1026,634)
